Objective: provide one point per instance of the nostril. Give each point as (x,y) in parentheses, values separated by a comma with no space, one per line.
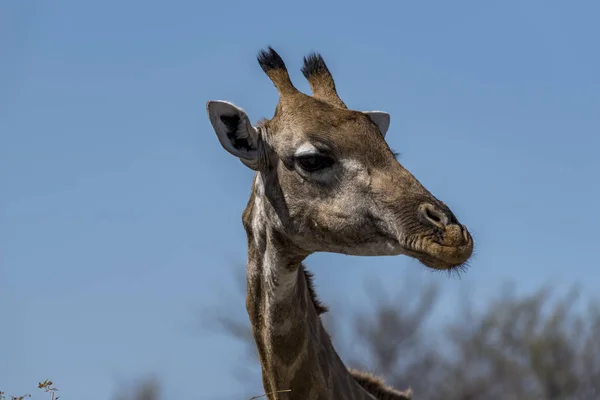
(429,214)
(434,216)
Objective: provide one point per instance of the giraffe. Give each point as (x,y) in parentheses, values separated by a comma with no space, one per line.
(325,181)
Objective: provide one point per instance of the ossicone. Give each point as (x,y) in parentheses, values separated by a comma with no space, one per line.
(272,64)
(320,80)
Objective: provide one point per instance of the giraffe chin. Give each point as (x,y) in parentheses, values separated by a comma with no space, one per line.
(435,263)
(442,257)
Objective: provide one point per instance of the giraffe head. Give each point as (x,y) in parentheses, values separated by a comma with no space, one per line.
(328,182)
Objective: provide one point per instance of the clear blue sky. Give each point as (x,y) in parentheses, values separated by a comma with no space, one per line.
(120,213)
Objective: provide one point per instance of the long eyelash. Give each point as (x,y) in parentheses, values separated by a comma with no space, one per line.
(396,154)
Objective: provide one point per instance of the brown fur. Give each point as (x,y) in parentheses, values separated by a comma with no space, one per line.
(369,382)
(378,388)
(372,384)
(363,203)
(320,80)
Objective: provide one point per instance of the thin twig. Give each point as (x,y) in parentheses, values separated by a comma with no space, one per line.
(266,394)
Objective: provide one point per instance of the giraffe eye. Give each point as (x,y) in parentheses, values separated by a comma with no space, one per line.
(314,162)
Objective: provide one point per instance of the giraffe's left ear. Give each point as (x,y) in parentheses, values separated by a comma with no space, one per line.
(381,119)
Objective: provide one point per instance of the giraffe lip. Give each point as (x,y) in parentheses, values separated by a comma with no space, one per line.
(439,256)
(433,253)
(432,261)
(436,255)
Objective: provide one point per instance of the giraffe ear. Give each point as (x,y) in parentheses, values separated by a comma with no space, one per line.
(234,131)
(381,119)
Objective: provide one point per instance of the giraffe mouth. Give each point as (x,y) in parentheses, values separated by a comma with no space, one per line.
(433,253)
(447,249)
(434,262)
(442,256)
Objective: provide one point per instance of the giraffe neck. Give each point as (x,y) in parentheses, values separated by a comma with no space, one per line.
(295,351)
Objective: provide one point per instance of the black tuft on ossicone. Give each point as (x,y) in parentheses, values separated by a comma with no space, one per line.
(314,65)
(269,59)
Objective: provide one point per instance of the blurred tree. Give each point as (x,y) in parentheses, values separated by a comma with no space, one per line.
(144,389)
(515,348)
